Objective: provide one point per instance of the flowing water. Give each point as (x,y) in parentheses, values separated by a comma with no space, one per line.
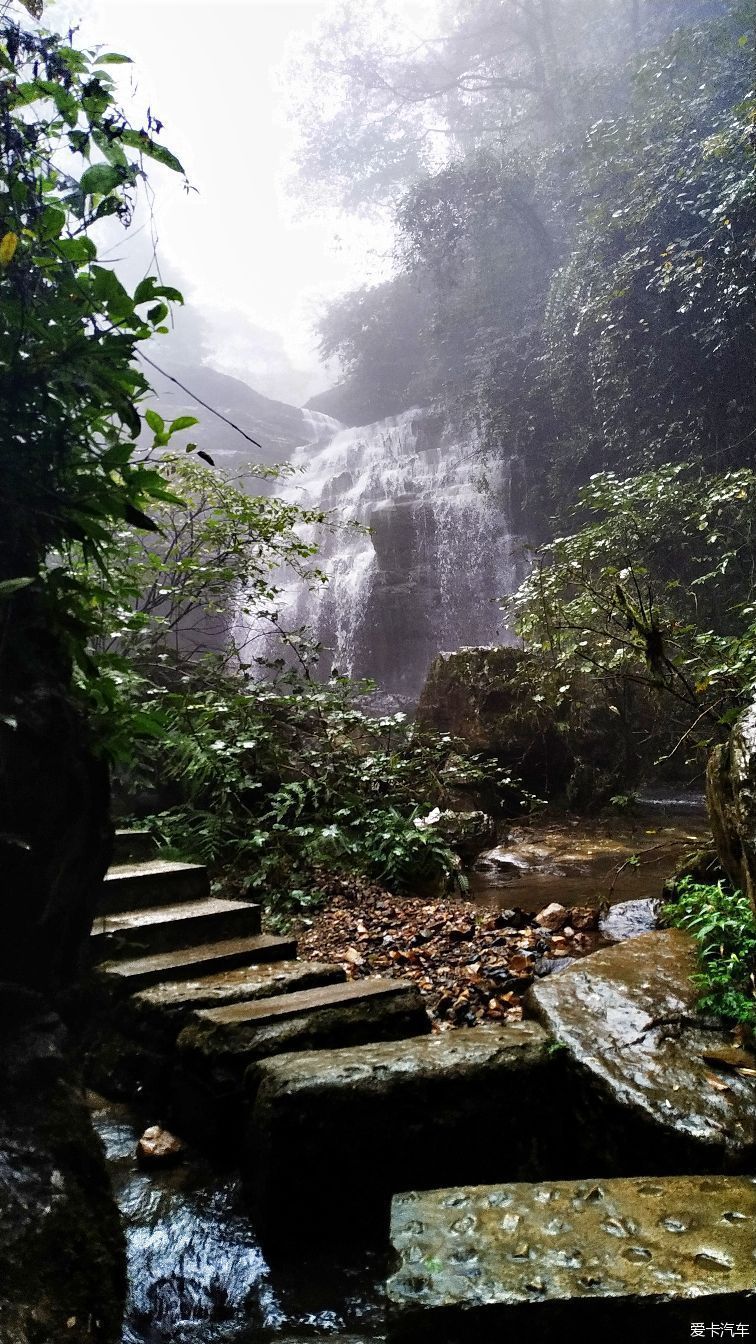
(438,555)
(197,1274)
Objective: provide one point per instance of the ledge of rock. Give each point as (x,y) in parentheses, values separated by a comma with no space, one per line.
(649,1096)
(62,1259)
(334,1133)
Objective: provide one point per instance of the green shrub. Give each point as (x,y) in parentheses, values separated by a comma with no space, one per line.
(723,925)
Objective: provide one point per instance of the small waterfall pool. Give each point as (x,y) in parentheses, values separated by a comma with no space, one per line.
(196,1272)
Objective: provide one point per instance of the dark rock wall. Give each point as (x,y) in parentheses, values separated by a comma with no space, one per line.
(62,1258)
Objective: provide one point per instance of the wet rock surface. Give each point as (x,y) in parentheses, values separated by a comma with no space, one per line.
(333,1133)
(649,1099)
(61,1251)
(157,1147)
(629,919)
(558,1255)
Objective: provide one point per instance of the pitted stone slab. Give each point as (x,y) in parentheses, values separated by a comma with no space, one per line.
(627,1016)
(668,1240)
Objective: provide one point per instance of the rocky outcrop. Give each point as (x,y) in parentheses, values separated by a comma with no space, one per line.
(62,1273)
(731,796)
(658,1084)
(491,698)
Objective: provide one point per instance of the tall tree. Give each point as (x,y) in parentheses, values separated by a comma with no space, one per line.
(69,393)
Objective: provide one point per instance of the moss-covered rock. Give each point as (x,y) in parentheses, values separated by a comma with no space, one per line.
(62,1257)
(567,746)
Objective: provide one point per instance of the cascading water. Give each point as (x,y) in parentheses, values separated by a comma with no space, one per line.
(438,555)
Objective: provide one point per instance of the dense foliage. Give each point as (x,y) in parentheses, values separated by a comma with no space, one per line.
(212,714)
(723,926)
(655,588)
(68,382)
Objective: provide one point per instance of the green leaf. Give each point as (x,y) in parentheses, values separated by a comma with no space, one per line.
(113,58)
(100,179)
(155,421)
(10,586)
(52,222)
(108,289)
(183,422)
(111,148)
(139,519)
(141,140)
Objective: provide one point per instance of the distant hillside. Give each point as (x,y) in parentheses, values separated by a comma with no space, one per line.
(352,404)
(277,427)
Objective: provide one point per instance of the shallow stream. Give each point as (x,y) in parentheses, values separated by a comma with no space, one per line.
(197,1274)
(590,860)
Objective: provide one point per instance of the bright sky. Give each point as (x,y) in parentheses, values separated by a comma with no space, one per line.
(207,71)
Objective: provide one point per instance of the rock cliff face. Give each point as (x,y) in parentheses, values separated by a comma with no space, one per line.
(62,1264)
(731,795)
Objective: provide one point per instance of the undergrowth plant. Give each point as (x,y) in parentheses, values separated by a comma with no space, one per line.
(723,925)
(276,781)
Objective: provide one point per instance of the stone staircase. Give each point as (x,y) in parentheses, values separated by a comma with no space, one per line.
(190,993)
(332,1096)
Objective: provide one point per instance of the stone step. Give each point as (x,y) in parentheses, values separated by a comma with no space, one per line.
(165,1007)
(188,963)
(217,1046)
(138,886)
(168,928)
(414,1106)
(131,846)
(590,1259)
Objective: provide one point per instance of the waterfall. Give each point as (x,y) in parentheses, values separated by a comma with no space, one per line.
(438,555)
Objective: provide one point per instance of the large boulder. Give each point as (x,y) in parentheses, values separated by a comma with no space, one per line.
(658,1084)
(731,796)
(492,700)
(62,1258)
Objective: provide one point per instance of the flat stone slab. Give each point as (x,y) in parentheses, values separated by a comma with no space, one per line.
(166,928)
(218,1044)
(137,973)
(567,1253)
(253,1029)
(129,846)
(650,1097)
(175,999)
(460,1105)
(138,885)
